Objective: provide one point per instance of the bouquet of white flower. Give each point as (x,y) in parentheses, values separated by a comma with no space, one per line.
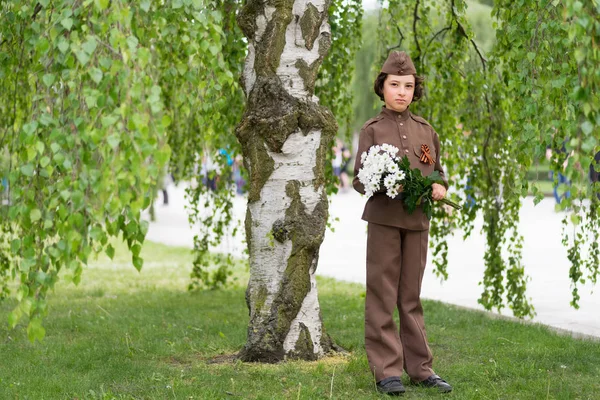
(381,165)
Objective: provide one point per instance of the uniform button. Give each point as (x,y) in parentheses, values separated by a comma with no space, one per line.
(406,150)
(401,124)
(404,137)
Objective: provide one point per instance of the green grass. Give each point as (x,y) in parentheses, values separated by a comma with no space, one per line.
(127,335)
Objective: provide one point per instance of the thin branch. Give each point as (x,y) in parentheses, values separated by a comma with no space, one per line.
(399,32)
(488,138)
(435,36)
(463,32)
(415,20)
(36,11)
(440,32)
(109,47)
(481,57)
(399,45)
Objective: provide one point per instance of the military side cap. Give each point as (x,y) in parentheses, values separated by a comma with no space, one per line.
(399,63)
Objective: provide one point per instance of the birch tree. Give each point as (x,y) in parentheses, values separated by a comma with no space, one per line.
(285,135)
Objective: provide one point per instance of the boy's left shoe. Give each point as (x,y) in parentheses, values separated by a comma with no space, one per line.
(434,381)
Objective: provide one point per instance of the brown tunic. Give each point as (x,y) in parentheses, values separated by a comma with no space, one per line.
(407,132)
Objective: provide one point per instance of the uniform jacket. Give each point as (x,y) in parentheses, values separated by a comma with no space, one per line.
(407,132)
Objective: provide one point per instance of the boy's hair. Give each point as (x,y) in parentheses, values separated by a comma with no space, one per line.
(419,87)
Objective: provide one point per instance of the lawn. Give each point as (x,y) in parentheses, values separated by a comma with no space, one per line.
(121,334)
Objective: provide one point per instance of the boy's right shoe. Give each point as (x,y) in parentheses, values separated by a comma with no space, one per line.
(434,381)
(392,386)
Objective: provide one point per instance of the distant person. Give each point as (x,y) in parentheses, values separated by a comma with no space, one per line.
(240,183)
(340,163)
(344,177)
(336,162)
(209,172)
(3,190)
(561,179)
(595,172)
(165,182)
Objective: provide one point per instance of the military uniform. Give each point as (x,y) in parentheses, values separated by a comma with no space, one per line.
(397,246)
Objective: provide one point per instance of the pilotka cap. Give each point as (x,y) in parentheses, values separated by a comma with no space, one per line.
(399,63)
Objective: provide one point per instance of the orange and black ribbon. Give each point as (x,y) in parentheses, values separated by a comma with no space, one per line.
(426,155)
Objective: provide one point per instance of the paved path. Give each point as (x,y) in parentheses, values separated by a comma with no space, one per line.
(342,256)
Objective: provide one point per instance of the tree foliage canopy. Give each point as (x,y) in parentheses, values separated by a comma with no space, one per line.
(497,113)
(97,94)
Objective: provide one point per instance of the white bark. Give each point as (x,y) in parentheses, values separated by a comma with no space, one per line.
(249,73)
(295,49)
(297,162)
(269,257)
(310,316)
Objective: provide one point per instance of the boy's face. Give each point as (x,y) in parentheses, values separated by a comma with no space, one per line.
(398,91)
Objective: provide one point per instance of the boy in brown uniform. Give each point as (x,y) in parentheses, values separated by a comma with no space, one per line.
(397,241)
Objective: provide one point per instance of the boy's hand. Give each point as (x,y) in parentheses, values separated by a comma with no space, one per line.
(439,191)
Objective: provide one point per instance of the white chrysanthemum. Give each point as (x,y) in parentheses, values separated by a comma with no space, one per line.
(379,162)
(389,181)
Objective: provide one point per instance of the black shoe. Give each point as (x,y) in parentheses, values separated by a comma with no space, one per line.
(434,381)
(392,386)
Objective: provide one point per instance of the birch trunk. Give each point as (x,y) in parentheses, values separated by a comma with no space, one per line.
(284,135)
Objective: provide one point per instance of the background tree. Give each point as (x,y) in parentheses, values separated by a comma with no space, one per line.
(496,113)
(84,124)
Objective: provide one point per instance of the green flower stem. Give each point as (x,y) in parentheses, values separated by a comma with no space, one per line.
(450,203)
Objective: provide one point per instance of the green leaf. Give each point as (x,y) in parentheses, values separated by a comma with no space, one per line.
(136,249)
(44,161)
(110,251)
(145,5)
(27,170)
(40,147)
(587,127)
(143,57)
(35,215)
(113,140)
(15,316)
(15,245)
(558,83)
(82,57)
(575,219)
(144,225)
(67,23)
(95,74)
(109,120)
(35,330)
(138,262)
(63,46)
(101,4)
(43,45)
(30,128)
(90,45)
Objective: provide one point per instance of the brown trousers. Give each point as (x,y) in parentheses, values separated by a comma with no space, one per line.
(396,261)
